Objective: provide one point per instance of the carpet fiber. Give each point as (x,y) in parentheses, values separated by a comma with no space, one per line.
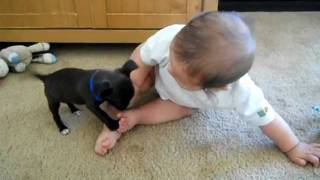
(216,144)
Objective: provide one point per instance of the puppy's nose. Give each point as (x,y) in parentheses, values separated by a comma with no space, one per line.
(120,106)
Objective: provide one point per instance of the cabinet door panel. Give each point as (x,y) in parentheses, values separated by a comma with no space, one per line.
(138,14)
(44,14)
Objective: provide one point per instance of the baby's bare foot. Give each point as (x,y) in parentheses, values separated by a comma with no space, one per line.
(128,120)
(106,141)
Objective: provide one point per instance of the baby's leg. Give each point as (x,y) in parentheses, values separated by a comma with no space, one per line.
(155,112)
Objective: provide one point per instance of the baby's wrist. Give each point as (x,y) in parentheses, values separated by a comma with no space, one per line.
(288,150)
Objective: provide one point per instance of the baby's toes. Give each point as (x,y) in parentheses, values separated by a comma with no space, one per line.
(100,150)
(104,147)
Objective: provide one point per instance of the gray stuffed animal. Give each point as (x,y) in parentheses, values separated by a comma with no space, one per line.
(17,58)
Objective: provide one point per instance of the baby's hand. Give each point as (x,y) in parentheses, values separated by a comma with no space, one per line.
(303,153)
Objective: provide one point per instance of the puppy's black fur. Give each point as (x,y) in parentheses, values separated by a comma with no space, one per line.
(89,87)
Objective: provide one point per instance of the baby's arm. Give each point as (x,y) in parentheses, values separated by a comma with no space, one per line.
(248,99)
(298,152)
(143,76)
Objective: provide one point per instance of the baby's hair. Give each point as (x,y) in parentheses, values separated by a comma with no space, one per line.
(217,48)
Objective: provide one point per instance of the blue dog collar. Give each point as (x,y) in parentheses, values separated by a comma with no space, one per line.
(97,98)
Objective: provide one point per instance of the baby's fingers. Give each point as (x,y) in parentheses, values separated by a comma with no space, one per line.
(316,150)
(315,145)
(313,159)
(299,161)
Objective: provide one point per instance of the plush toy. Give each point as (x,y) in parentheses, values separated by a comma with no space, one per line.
(4,69)
(17,58)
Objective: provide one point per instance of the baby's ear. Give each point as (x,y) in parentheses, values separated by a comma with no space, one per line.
(129,66)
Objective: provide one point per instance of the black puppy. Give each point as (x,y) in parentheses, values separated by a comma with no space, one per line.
(90,87)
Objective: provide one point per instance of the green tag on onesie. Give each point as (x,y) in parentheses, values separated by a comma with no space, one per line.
(263,112)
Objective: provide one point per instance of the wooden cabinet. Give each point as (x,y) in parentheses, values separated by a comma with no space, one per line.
(93,20)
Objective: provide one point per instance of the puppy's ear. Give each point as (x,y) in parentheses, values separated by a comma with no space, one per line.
(104,88)
(129,66)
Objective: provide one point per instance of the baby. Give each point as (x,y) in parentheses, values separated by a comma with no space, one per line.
(202,65)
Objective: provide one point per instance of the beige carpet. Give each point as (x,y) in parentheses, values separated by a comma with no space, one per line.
(209,145)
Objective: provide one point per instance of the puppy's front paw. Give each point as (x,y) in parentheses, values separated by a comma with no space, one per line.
(77,113)
(65,132)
